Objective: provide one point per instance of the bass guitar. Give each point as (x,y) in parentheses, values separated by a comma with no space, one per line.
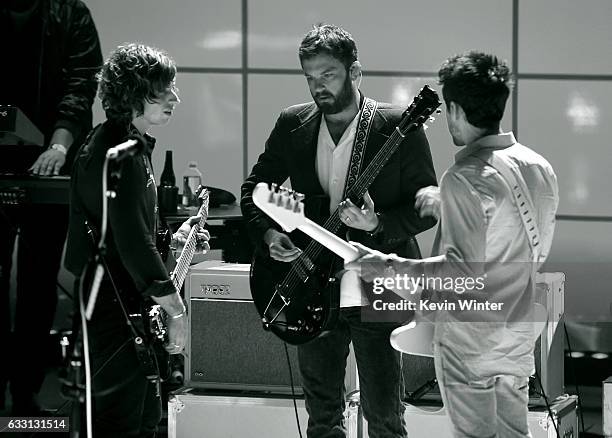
(297,301)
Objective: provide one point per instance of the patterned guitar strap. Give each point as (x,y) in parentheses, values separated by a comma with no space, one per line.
(368,109)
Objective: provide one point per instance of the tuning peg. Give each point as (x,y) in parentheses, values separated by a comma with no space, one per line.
(438,111)
(299,197)
(431,118)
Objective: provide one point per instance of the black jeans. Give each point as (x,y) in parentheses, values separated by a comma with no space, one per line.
(42,232)
(126,404)
(322,365)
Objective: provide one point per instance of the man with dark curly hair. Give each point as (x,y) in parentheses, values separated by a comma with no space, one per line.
(137,89)
(496,206)
(50,56)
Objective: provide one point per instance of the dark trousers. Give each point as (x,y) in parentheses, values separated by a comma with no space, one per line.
(322,365)
(42,232)
(126,404)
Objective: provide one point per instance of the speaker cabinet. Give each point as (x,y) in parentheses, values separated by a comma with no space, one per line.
(228,349)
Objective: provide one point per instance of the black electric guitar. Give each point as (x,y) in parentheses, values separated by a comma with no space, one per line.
(297,301)
(152,319)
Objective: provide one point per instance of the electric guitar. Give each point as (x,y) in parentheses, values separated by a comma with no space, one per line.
(287,209)
(297,301)
(152,319)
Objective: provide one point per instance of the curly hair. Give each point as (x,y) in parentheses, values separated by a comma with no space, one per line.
(133,74)
(331,40)
(479,83)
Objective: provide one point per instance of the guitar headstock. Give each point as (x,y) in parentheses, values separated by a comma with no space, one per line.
(203,198)
(281,204)
(420,110)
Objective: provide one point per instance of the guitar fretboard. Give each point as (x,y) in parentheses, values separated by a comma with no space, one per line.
(184,261)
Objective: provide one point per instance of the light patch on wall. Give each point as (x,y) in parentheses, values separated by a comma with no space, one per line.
(227,39)
(582,113)
(276,42)
(579,191)
(230,39)
(402,94)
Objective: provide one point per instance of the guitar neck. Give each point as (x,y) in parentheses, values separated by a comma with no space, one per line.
(328,239)
(184,261)
(333,224)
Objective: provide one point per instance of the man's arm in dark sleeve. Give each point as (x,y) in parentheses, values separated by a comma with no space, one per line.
(271,167)
(83,60)
(128,223)
(416,171)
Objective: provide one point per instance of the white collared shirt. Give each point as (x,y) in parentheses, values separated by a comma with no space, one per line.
(482,233)
(332,166)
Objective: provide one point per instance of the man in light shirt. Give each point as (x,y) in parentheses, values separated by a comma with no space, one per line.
(312,145)
(496,207)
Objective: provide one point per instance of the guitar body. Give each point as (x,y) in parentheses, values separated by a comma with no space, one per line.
(314,300)
(149,345)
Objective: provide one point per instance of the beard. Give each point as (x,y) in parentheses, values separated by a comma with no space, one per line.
(335,104)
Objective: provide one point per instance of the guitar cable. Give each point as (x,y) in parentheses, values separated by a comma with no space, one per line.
(293,396)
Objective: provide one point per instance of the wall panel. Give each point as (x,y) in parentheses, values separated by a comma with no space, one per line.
(207,128)
(565,36)
(390,35)
(569,123)
(194,33)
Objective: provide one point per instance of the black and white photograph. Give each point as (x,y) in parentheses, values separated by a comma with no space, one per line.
(322,219)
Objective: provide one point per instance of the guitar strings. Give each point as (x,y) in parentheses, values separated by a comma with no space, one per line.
(333,224)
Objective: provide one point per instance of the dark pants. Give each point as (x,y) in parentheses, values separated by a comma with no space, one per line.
(126,404)
(42,232)
(322,365)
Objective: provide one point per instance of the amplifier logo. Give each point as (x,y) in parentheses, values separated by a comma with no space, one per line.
(216,289)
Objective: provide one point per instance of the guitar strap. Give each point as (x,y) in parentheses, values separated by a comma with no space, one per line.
(522,199)
(368,109)
(525,205)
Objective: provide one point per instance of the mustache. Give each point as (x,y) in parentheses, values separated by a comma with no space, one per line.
(323,95)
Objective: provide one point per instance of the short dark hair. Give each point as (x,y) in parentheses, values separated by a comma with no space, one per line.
(331,40)
(132,74)
(479,83)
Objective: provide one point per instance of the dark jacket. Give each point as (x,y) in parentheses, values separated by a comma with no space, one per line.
(132,255)
(69,58)
(291,152)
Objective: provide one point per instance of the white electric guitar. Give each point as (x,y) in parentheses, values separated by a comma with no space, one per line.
(287,209)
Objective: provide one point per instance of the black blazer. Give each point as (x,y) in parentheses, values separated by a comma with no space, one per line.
(290,152)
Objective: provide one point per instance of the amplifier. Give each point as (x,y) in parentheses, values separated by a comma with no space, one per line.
(227,347)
